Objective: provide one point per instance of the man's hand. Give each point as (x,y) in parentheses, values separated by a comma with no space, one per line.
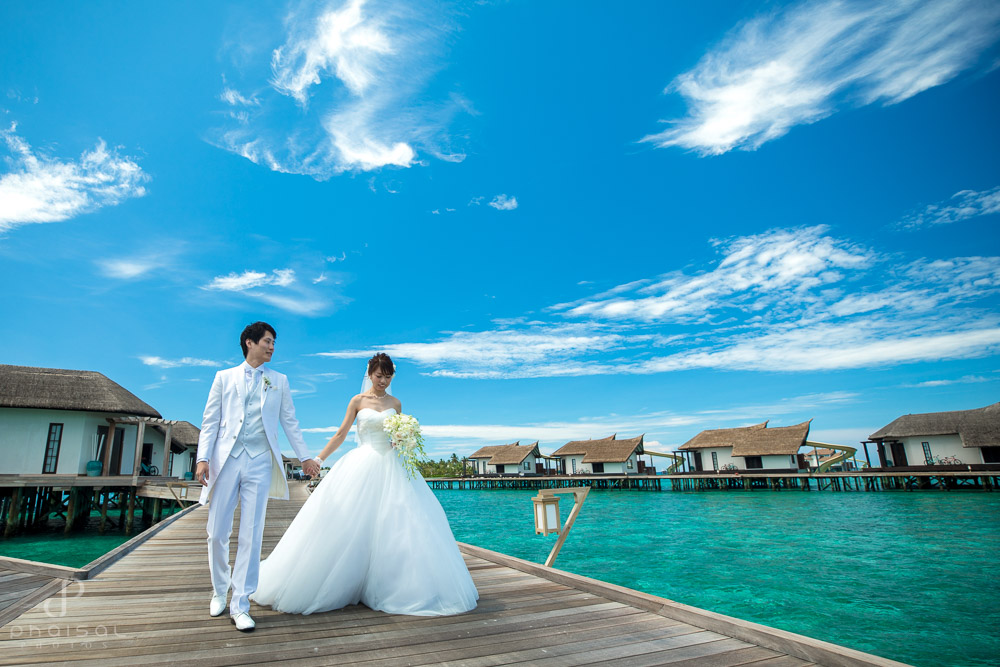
(311,467)
(201,473)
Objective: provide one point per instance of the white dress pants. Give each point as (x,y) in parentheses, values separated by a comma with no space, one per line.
(246,480)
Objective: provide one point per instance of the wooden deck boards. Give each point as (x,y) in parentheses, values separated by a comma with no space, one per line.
(151,607)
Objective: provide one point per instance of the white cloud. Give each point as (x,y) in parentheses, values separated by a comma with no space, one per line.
(962,206)
(504,203)
(238,282)
(755,272)
(782,301)
(234,98)
(356,71)
(39,189)
(127,269)
(965,379)
(800,65)
(672,429)
(321,278)
(160,362)
(301,304)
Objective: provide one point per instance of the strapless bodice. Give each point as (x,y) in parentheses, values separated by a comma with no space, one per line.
(370,432)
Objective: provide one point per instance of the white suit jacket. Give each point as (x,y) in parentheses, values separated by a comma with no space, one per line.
(223,419)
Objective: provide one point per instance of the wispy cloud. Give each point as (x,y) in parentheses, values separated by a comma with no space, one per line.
(675,428)
(504,203)
(37,188)
(238,282)
(965,379)
(782,301)
(354,72)
(803,64)
(962,206)
(160,362)
(756,273)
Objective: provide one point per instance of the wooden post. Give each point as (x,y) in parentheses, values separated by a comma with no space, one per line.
(70,509)
(104,509)
(579,495)
(12,513)
(157,508)
(108,446)
(166,449)
(140,432)
(131,511)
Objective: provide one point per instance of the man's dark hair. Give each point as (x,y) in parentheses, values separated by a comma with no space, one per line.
(255,332)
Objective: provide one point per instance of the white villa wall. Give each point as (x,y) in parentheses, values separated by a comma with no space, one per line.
(24,433)
(941,446)
(778,462)
(725,458)
(581,467)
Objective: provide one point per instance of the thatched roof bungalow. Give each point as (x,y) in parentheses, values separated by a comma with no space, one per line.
(56,421)
(755,447)
(966,437)
(514,458)
(602,455)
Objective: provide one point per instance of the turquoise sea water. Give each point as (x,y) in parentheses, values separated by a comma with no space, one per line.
(909,576)
(50,545)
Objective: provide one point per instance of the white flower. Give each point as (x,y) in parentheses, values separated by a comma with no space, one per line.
(404,430)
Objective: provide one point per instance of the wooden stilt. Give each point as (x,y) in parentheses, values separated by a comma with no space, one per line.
(104,509)
(13,510)
(71,509)
(131,511)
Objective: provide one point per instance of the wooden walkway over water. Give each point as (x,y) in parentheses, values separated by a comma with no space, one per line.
(151,607)
(943,480)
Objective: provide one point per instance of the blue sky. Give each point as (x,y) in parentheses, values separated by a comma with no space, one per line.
(561,219)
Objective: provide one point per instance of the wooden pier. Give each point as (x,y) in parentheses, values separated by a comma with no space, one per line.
(151,607)
(28,501)
(881,480)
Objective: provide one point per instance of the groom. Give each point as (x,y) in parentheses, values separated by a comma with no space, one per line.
(239,460)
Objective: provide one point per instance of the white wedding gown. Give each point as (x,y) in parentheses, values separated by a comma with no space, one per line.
(368,534)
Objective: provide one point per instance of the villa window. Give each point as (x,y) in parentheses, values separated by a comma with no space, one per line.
(52,449)
(715,461)
(573,461)
(527,464)
(753,462)
(928,458)
(630,466)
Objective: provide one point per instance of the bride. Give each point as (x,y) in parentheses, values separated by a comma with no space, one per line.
(368,533)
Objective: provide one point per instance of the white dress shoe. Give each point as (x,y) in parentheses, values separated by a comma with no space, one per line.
(243,622)
(218,605)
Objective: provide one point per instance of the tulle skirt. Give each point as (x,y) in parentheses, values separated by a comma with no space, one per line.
(368,534)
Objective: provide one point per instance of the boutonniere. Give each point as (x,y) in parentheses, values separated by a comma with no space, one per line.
(267,383)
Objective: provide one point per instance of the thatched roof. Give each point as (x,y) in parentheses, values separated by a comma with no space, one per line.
(579,446)
(756,440)
(721,437)
(182,434)
(512,454)
(784,440)
(57,389)
(488,451)
(603,450)
(977,428)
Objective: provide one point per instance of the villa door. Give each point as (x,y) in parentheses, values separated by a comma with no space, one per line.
(597,467)
(697,462)
(898,454)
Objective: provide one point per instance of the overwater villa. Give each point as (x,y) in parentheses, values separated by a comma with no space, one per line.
(512,459)
(55,421)
(934,439)
(605,455)
(753,448)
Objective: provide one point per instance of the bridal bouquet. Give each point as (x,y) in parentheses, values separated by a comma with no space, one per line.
(404,430)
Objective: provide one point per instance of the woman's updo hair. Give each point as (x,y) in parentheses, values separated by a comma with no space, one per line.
(381,362)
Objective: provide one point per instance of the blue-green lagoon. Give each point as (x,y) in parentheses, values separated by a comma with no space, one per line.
(909,576)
